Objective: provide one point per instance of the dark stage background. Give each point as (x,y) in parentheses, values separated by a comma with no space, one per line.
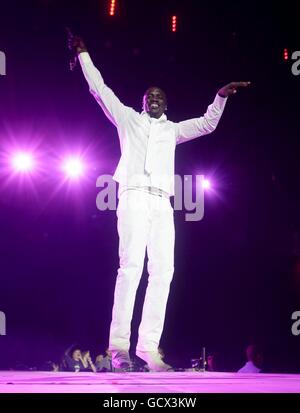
(236,279)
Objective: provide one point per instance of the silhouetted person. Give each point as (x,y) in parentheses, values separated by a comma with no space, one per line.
(104,364)
(72,360)
(87,362)
(211,362)
(254,360)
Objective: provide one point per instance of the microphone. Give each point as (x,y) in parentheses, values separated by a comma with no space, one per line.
(73,57)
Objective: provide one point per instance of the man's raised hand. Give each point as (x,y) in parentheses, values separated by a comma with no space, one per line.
(231,88)
(75,43)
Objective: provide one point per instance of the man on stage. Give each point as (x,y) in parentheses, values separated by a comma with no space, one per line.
(145,174)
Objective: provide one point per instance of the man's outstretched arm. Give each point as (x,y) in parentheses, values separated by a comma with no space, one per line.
(115,110)
(193,128)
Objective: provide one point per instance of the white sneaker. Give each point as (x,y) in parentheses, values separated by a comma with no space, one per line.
(153,360)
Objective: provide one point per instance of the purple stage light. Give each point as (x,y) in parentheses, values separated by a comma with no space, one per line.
(73,168)
(206,184)
(22,162)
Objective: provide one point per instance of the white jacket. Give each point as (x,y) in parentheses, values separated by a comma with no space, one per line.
(147,144)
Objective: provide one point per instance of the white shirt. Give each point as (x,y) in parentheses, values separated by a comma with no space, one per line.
(249,367)
(147,144)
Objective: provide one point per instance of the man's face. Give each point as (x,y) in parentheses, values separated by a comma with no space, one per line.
(155,102)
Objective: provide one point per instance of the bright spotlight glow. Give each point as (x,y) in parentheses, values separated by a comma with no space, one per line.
(206,184)
(112,7)
(73,168)
(22,162)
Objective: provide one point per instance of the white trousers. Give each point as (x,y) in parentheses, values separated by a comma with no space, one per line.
(145,222)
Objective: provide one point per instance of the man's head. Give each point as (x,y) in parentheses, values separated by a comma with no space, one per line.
(155,102)
(254,354)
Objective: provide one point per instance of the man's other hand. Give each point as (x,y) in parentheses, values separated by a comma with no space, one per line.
(231,88)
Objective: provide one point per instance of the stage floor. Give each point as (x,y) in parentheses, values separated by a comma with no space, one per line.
(173,382)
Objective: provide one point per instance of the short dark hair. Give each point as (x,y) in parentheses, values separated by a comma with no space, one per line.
(253,351)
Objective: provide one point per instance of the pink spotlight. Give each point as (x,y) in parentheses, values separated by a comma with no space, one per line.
(22,162)
(206,184)
(73,167)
